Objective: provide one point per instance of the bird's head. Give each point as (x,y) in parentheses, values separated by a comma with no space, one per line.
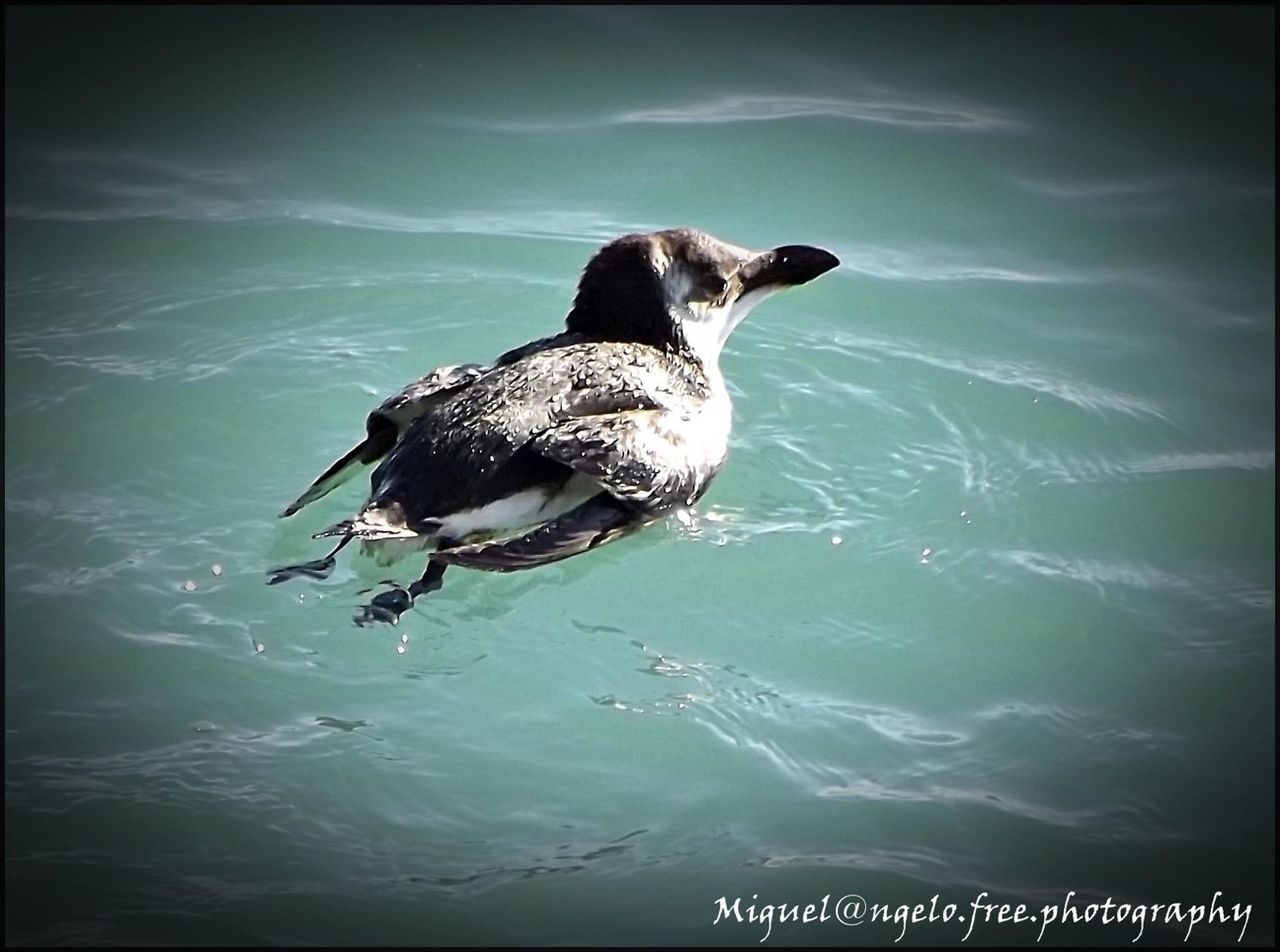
(682,289)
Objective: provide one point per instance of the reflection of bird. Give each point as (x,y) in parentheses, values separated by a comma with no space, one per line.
(577,439)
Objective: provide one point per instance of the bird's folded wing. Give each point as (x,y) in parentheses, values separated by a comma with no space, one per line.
(407,405)
(634,455)
(643,470)
(459,454)
(563,339)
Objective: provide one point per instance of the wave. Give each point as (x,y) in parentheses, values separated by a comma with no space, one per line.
(1220,592)
(1172,193)
(893,112)
(1012,373)
(1053,467)
(882,108)
(897,264)
(126,186)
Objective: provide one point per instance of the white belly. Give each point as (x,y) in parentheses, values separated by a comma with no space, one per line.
(500,517)
(525,508)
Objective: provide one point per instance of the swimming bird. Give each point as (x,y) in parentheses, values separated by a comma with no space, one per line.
(571,441)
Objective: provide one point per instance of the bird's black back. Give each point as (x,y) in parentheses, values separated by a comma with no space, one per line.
(471,449)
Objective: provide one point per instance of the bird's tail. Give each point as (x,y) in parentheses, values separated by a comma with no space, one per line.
(382,436)
(373,522)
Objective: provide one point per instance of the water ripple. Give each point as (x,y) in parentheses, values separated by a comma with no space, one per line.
(1168,194)
(1219,613)
(938,761)
(171,190)
(1081,818)
(879,107)
(902,112)
(1059,466)
(1101,573)
(1013,373)
(929,265)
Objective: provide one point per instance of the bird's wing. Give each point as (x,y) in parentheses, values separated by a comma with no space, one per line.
(641,457)
(407,405)
(391,420)
(387,424)
(643,468)
(563,339)
(477,446)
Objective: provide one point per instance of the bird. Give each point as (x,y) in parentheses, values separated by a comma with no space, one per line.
(568,442)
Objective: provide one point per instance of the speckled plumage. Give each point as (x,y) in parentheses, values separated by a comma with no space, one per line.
(598,408)
(578,438)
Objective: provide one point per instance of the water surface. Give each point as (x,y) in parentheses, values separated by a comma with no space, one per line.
(983,601)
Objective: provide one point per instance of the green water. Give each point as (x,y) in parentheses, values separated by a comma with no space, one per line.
(1047,359)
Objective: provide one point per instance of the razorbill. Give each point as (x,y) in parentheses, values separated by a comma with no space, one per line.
(571,441)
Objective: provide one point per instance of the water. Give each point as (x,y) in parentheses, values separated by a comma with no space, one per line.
(1047,359)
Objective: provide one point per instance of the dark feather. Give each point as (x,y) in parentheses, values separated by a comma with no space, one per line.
(386,425)
(632,456)
(475,446)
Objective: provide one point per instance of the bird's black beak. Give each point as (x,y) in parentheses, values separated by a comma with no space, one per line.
(786,267)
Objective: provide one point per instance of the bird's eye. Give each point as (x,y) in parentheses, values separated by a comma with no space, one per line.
(712,286)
